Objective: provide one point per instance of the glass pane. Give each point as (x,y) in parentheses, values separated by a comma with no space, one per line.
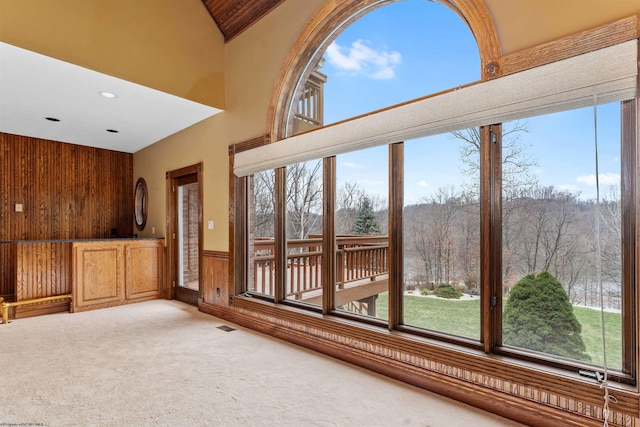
(304,232)
(550,234)
(384,58)
(441,233)
(362,242)
(261,221)
(188,236)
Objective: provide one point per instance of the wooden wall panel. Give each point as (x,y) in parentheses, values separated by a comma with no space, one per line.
(215,278)
(7,271)
(42,269)
(67,191)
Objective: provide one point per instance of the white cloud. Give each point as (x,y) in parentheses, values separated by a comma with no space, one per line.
(351,165)
(362,59)
(422,183)
(605,179)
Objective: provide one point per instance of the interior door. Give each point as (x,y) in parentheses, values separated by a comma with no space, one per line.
(185,206)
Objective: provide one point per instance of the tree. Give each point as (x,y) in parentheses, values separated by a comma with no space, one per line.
(304,199)
(538,316)
(264,204)
(517,164)
(348,200)
(433,234)
(366,223)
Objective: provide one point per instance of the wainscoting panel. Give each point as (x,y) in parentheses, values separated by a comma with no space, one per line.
(215,277)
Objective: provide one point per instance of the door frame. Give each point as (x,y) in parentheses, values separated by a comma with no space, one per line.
(172,227)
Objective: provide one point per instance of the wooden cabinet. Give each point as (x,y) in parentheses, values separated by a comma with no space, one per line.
(143,265)
(108,273)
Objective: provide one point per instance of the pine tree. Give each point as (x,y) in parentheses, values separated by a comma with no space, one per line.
(538,316)
(366,223)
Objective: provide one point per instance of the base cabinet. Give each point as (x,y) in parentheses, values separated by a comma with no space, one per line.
(109,273)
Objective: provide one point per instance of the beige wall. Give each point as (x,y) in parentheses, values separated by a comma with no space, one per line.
(524,24)
(170,45)
(252,63)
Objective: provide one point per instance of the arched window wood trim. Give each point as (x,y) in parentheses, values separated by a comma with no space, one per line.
(325,26)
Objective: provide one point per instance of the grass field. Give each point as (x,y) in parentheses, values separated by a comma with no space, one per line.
(462,317)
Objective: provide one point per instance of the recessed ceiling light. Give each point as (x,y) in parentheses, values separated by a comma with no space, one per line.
(112,130)
(108,95)
(52,119)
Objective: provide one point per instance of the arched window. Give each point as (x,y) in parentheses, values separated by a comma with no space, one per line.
(391,54)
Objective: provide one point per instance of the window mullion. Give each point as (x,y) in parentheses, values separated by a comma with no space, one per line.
(328,235)
(491,235)
(280,235)
(396,202)
(629,137)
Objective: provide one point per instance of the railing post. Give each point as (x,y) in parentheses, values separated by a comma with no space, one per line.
(340,268)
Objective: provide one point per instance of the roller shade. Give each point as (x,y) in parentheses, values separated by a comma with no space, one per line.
(609,73)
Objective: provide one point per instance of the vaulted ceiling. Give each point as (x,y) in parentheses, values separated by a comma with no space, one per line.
(234,16)
(55,57)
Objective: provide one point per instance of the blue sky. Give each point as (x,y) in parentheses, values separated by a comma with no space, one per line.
(414,48)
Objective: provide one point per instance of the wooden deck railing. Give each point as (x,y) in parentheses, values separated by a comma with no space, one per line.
(357,258)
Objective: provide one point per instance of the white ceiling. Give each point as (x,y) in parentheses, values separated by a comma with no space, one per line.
(35,86)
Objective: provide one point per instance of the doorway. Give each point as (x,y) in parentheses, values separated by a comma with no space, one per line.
(184,202)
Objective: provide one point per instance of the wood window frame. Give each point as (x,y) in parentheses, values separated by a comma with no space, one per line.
(491,198)
(500,378)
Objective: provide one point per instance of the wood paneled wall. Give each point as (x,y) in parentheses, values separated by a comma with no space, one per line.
(67,192)
(42,269)
(7,270)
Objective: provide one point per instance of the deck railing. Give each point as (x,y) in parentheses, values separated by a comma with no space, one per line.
(357,258)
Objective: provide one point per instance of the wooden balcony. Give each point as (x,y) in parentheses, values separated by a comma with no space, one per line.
(362,267)
(310,108)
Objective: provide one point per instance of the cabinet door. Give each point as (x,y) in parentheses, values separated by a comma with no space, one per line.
(98,275)
(143,265)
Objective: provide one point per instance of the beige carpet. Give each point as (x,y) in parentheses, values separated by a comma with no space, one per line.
(163,363)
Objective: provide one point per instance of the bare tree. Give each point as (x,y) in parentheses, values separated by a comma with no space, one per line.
(517,164)
(549,236)
(348,200)
(264,203)
(433,235)
(611,245)
(517,176)
(468,238)
(304,199)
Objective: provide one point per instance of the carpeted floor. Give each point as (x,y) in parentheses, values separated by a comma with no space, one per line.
(163,363)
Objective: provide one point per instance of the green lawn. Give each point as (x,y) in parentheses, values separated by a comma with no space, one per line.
(460,317)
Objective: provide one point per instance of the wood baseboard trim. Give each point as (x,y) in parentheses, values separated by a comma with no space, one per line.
(500,403)
(32,310)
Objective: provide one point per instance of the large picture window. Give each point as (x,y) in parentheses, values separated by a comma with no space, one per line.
(362,241)
(441,225)
(470,216)
(562,234)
